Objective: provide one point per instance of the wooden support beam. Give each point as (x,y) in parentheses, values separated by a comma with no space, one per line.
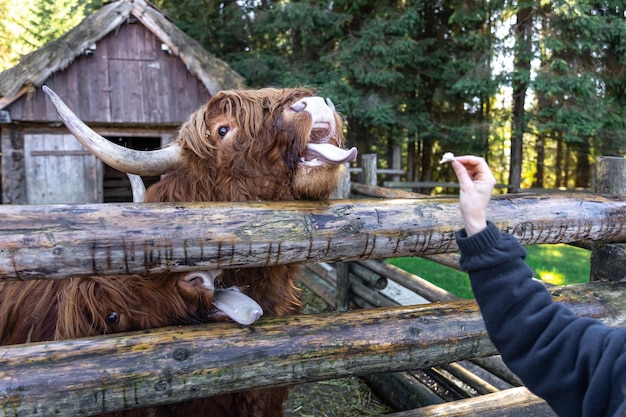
(369,277)
(401,389)
(514,402)
(58,241)
(368,174)
(382,192)
(342,274)
(416,284)
(608,259)
(108,373)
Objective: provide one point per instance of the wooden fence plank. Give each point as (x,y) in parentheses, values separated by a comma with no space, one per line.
(106,373)
(67,240)
(514,402)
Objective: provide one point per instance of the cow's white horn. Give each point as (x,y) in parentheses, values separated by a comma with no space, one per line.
(147,163)
(330,104)
(138,188)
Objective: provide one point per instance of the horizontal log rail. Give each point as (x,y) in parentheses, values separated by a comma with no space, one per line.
(101,374)
(428,184)
(382,192)
(513,402)
(58,241)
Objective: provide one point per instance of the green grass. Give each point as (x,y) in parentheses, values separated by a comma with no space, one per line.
(449,279)
(556,264)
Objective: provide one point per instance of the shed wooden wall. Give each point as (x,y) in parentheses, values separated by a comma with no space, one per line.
(40,164)
(128,80)
(60,170)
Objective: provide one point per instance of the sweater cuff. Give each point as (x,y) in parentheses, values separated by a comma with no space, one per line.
(487,248)
(478,243)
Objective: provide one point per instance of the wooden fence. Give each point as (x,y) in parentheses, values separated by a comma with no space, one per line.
(107,373)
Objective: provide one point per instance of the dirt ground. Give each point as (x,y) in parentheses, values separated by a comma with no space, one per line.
(344,397)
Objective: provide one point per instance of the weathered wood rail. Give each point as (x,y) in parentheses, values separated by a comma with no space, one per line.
(513,402)
(69,240)
(106,373)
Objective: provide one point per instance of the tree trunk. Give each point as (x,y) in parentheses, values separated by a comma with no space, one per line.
(521,79)
(540,148)
(558,166)
(411,161)
(567,164)
(583,166)
(426,163)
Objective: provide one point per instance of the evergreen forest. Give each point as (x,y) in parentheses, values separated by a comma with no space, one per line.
(536,87)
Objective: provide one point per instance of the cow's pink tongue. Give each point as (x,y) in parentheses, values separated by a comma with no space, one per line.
(237,305)
(330,153)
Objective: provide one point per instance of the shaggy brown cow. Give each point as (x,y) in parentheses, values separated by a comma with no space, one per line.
(40,310)
(248,145)
(34,311)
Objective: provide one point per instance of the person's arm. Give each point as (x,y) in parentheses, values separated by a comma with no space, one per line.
(573,363)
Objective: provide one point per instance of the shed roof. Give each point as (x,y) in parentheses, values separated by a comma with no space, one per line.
(36,67)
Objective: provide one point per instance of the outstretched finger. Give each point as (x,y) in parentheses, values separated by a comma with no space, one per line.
(462,174)
(477,168)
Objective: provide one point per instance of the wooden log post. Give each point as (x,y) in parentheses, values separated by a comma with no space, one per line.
(107,373)
(369,277)
(342,300)
(343,189)
(396,161)
(361,286)
(369,176)
(608,259)
(59,241)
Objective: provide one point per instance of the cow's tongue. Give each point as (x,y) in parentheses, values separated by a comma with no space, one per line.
(330,153)
(237,305)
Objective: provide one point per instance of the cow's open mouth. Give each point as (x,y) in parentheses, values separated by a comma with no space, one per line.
(237,305)
(229,302)
(321,149)
(326,153)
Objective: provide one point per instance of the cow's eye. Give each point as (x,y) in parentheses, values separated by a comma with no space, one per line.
(113,318)
(222,131)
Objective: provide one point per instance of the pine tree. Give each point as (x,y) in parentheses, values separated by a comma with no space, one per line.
(575,104)
(523,56)
(49,19)
(12,44)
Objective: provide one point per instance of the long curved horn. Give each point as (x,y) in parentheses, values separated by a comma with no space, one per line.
(137,187)
(147,163)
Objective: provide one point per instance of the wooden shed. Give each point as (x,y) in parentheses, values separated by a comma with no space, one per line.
(129,73)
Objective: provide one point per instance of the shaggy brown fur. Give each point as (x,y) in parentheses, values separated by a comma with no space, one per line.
(240,146)
(257,158)
(34,311)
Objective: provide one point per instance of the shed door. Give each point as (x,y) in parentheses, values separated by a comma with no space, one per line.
(60,170)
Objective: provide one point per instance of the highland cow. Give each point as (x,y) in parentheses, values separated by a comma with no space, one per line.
(248,145)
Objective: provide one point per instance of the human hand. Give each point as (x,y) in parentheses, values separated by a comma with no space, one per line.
(477,182)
